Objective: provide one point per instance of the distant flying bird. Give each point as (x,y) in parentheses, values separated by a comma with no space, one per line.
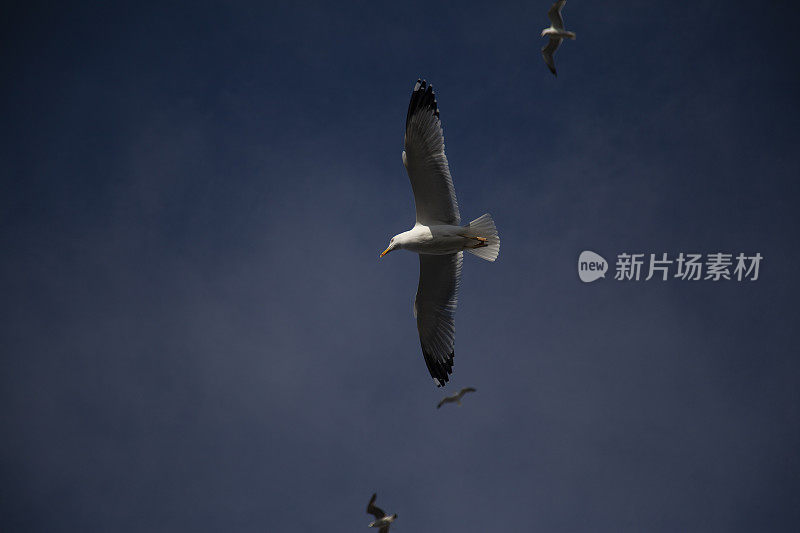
(455,397)
(557,34)
(438,236)
(381,519)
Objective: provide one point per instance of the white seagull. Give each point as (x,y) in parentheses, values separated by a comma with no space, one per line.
(382,520)
(455,397)
(557,34)
(438,236)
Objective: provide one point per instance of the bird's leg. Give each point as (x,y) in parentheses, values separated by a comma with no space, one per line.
(481,240)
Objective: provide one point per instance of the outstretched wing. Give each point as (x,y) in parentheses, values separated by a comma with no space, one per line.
(435,309)
(548,51)
(554,14)
(466,390)
(447,399)
(425,162)
(374,509)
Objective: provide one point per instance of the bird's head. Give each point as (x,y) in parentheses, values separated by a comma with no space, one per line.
(545,31)
(394,244)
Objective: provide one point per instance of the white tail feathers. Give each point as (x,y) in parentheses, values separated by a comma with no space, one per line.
(484,227)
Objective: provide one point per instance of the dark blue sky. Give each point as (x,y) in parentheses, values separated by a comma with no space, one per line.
(197,333)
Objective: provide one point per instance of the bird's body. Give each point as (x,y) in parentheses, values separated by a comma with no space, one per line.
(438,235)
(382,520)
(440,239)
(455,398)
(556,33)
(384,523)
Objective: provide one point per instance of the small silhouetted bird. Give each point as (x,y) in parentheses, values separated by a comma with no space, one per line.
(382,520)
(556,32)
(455,397)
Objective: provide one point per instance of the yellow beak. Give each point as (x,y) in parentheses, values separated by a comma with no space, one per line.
(386,251)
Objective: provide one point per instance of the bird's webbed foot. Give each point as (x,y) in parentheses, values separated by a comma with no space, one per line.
(481,241)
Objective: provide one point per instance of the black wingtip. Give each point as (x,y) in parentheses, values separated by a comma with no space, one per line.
(422,97)
(439,370)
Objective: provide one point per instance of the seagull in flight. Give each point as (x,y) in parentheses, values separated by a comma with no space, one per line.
(437,236)
(455,397)
(556,32)
(382,520)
